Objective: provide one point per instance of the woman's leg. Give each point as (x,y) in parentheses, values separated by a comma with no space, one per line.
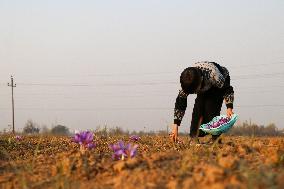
(197,115)
(212,105)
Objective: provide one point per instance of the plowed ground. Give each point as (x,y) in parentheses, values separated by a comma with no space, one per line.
(56,162)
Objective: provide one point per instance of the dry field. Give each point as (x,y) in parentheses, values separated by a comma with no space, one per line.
(56,162)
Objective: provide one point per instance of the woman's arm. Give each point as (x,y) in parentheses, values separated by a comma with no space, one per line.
(180,107)
(228,96)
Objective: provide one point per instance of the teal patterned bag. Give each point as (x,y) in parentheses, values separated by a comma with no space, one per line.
(219,124)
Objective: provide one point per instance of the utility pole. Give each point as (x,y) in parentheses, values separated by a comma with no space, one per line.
(12,85)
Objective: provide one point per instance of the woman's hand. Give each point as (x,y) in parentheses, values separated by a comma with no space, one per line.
(230,112)
(174,133)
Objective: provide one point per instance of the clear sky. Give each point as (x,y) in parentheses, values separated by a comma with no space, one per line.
(89,63)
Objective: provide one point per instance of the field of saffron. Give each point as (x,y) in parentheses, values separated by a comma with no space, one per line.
(88,160)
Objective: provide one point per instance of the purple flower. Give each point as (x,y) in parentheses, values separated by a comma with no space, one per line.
(85,139)
(134,138)
(123,151)
(18,138)
(91,145)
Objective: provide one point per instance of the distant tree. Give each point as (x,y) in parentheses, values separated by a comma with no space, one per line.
(45,129)
(60,130)
(31,127)
(163,132)
(117,131)
(133,133)
(103,132)
(281,132)
(271,129)
(255,130)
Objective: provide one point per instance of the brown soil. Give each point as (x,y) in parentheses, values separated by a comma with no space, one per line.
(56,162)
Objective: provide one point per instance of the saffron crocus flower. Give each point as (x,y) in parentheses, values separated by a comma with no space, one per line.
(91,145)
(134,138)
(123,151)
(18,138)
(85,139)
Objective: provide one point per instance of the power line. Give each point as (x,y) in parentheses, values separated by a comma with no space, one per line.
(54,84)
(96,85)
(259,75)
(162,73)
(158,73)
(89,109)
(234,78)
(261,105)
(134,84)
(256,65)
(157,91)
(129,74)
(257,87)
(123,95)
(135,108)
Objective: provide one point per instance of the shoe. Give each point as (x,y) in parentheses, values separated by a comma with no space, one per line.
(215,139)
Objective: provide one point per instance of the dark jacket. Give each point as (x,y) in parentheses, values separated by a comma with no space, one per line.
(214,75)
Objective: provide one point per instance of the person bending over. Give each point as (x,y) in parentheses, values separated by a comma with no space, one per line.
(211,83)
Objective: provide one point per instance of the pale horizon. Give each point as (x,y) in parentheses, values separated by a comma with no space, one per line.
(117,63)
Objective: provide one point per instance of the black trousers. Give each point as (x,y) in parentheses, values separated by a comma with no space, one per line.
(207,106)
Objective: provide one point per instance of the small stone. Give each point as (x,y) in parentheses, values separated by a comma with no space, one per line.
(119,166)
(228,162)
